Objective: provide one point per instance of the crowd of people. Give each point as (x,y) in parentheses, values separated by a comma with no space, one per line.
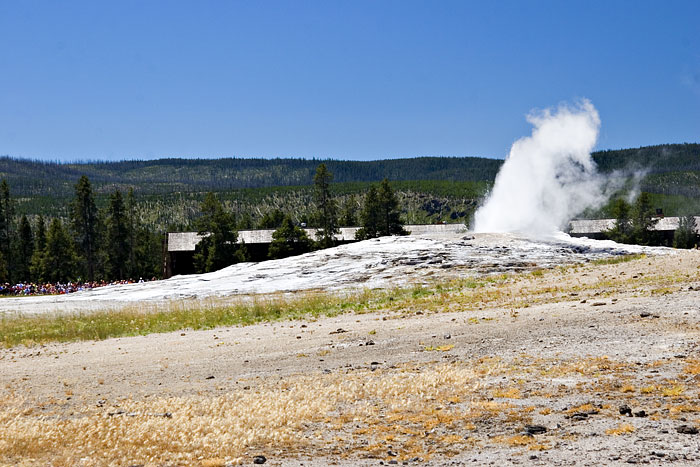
(30,288)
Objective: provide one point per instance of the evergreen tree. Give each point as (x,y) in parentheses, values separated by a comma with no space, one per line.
(369,216)
(686,235)
(84,221)
(621,231)
(131,226)
(58,263)
(117,237)
(390,222)
(147,254)
(643,221)
(218,247)
(326,208)
(25,251)
(39,249)
(3,269)
(289,240)
(348,218)
(7,213)
(245,222)
(272,219)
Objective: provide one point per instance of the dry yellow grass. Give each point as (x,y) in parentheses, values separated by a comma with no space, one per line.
(287,417)
(622,429)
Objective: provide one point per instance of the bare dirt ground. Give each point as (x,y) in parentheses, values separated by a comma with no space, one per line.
(588,365)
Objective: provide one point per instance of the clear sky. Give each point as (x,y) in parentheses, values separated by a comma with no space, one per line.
(342,79)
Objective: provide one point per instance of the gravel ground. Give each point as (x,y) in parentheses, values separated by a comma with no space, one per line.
(545,385)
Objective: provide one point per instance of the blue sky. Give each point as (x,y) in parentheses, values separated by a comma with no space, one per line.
(341,79)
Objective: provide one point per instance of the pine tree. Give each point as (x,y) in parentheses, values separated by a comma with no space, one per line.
(349,216)
(7,213)
(621,231)
(326,208)
(390,222)
(147,254)
(643,221)
(289,240)
(271,219)
(3,269)
(685,235)
(131,226)
(369,216)
(218,247)
(84,221)
(117,237)
(25,251)
(58,263)
(39,248)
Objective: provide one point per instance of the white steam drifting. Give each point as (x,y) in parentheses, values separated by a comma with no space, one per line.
(548,177)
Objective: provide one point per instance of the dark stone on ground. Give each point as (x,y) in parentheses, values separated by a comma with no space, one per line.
(687,430)
(625,410)
(259,459)
(535,429)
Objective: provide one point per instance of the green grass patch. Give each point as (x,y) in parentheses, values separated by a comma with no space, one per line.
(98,325)
(208,314)
(618,259)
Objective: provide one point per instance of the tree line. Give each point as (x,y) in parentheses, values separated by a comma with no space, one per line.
(634,224)
(378,216)
(94,244)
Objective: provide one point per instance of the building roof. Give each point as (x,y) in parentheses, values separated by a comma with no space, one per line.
(595,226)
(186,241)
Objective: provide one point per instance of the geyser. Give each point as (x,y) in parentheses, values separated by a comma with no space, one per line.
(548,177)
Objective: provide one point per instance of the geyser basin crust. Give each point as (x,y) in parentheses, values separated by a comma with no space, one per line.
(378,263)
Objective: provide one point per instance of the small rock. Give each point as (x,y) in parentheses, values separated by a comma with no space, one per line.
(578,416)
(535,429)
(625,410)
(391,453)
(338,331)
(259,459)
(644,314)
(210,377)
(369,342)
(598,304)
(447,336)
(640,414)
(687,430)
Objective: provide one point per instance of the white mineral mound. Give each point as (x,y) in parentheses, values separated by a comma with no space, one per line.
(378,263)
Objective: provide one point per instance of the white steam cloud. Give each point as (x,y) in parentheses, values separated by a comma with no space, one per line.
(548,177)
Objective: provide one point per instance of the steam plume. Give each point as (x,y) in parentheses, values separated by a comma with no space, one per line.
(548,177)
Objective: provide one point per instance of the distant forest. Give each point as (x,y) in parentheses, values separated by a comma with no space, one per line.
(39,178)
(168,192)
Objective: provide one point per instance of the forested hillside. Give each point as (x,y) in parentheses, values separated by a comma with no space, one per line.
(421,202)
(431,189)
(33,178)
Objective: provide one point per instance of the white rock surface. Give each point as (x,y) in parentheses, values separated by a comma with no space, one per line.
(377,263)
